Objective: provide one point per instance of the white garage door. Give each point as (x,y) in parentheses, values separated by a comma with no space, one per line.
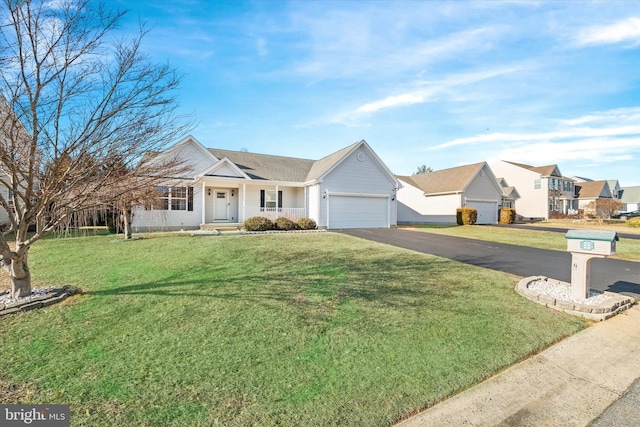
(358,212)
(487,212)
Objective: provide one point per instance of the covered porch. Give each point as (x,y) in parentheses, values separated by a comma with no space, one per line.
(227,201)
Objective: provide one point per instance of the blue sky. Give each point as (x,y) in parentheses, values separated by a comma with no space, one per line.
(439,83)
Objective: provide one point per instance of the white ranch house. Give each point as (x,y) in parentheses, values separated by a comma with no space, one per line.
(351,188)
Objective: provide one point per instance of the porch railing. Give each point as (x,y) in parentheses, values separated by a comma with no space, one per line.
(272,213)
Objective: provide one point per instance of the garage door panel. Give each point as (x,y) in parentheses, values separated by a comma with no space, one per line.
(358,212)
(487,212)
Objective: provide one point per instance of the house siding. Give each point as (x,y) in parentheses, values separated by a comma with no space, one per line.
(161,220)
(354,176)
(415,208)
(193,156)
(483,187)
(533,203)
(225,170)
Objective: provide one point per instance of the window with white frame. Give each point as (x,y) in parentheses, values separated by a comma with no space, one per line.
(270,199)
(537,184)
(175,198)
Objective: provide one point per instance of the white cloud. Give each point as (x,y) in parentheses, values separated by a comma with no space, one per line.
(575,133)
(378,41)
(618,115)
(626,30)
(598,138)
(392,101)
(426,92)
(593,150)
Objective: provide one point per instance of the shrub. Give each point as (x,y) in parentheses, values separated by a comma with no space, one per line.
(507,216)
(466,216)
(306,224)
(634,222)
(283,223)
(258,223)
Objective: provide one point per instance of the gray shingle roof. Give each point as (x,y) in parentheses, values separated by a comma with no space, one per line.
(631,194)
(280,168)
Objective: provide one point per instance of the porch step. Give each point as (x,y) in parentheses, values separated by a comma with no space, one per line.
(223,226)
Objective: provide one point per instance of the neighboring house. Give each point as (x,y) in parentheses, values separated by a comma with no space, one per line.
(542,189)
(614,185)
(616,190)
(350,188)
(434,197)
(590,191)
(510,194)
(630,198)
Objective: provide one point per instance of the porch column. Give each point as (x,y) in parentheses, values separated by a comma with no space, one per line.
(244,202)
(204,201)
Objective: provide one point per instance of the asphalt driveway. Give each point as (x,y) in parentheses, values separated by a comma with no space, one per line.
(606,274)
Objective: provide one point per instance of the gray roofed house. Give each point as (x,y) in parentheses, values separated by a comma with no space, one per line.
(630,198)
(349,188)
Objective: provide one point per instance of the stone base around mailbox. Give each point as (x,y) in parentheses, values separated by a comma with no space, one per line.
(556,295)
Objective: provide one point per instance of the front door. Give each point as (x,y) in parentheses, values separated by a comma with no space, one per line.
(220,206)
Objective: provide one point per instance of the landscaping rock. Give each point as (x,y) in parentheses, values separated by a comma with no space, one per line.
(40,297)
(555,294)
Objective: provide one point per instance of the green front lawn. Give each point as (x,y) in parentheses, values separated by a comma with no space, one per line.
(296,329)
(628,249)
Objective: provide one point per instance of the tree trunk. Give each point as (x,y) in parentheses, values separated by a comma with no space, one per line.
(126,217)
(19,275)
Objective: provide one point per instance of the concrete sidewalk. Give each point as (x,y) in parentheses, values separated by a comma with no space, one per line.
(569,384)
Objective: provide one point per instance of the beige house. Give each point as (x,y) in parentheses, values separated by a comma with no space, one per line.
(434,197)
(542,189)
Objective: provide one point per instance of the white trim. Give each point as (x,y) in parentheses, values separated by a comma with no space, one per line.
(443,193)
(467,199)
(344,194)
(219,164)
(204,202)
(244,201)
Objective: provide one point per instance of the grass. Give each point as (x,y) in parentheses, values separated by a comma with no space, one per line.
(299,329)
(628,249)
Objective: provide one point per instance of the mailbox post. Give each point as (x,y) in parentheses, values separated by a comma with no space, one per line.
(585,245)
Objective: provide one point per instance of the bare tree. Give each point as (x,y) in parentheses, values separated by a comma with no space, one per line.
(75,98)
(603,208)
